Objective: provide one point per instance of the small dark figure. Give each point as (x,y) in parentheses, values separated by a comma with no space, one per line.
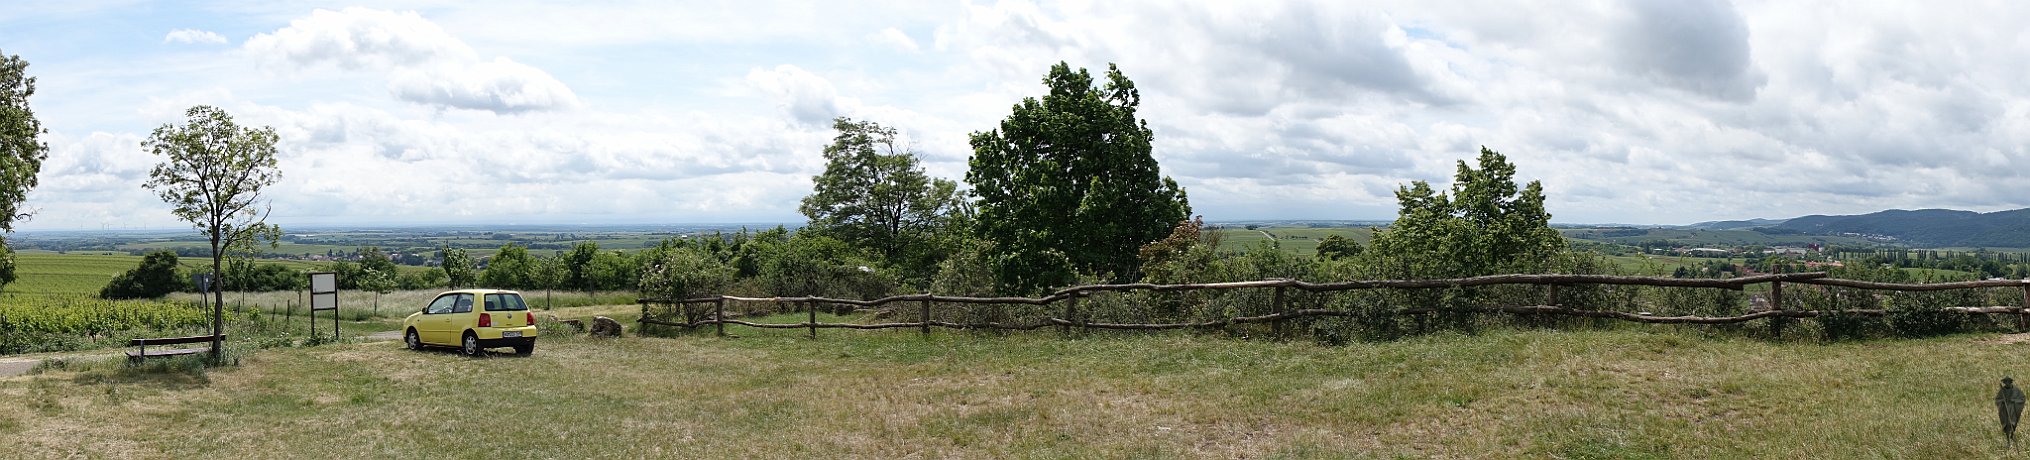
(2009,405)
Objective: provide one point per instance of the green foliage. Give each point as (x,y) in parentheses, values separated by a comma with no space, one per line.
(510,268)
(212,175)
(25,325)
(968,272)
(21,149)
(685,273)
(426,279)
(156,276)
(815,265)
(458,271)
(613,270)
(1335,247)
(874,195)
(1067,184)
(375,272)
(578,266)
(549,273)
(678,273)
(7,275)
(1485,225)
(244,274)
(1182,256)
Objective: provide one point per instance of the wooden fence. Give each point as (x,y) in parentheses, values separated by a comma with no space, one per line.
(1070,296)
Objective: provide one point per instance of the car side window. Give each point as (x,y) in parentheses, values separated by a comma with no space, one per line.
(464,304)
(441,305)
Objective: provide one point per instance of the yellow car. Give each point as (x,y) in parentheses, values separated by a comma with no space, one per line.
(501,321)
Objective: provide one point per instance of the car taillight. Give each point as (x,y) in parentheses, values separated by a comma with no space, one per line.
(532,319)
(485,320)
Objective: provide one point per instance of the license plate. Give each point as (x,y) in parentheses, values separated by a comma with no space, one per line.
(510,334)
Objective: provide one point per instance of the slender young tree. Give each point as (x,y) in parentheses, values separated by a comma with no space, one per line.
(21,151)
(458,271)
(212,174)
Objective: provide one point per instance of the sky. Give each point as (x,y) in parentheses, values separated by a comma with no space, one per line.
(525,112)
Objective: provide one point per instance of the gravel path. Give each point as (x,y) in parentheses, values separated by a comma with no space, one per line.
(14,368)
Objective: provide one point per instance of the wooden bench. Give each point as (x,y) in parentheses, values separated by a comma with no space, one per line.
(144,353)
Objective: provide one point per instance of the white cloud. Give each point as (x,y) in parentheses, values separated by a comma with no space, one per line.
(360,39)
(806,97)
(194,36)
(502,86)
(425,64)
(895,38)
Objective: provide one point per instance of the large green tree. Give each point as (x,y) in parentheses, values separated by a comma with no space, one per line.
(1484,225)
(21,147)
(212,175)
(1068,183)
(875,195)
(21,151)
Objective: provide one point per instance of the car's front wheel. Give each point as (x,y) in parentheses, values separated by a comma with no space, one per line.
(525,349)
(415,342)
(471,345)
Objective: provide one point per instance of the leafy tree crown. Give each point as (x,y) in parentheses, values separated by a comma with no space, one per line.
(1067,183)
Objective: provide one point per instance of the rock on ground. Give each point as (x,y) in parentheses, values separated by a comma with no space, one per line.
(605,327)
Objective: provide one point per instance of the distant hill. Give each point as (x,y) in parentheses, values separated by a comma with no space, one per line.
(1735,224)
(1926,227)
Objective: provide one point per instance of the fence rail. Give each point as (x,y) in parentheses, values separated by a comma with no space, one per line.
(1071,295)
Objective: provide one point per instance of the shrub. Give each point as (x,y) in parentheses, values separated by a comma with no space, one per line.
(684,273)
(156,276)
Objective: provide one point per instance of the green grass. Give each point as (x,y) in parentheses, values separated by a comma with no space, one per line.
(1627,393)
(44,274)
(52,274)
(1302,241)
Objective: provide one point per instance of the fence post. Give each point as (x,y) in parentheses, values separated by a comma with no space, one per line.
(1070,311)
(1277,327)
(1551,295)
(719,315)
(812,306)
(924,317)
(1776,304)
(2023,316)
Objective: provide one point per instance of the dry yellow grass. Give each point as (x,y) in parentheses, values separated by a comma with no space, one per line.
(1633,393)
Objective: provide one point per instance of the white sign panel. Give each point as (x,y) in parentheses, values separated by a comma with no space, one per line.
(324,301)
(323,282)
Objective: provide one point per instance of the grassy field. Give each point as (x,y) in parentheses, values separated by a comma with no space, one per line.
(1302,241)
(51,274)
(43,273)
(1630,393)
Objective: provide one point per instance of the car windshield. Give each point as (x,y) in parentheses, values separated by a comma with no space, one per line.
(505,302)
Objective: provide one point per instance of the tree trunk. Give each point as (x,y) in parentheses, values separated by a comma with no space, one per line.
(218,309)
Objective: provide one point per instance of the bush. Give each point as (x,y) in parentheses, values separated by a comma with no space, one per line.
(683,273)
(156,276)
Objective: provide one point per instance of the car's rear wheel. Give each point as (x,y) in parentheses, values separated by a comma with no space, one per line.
(415,342)
(471,345)
(525,349)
